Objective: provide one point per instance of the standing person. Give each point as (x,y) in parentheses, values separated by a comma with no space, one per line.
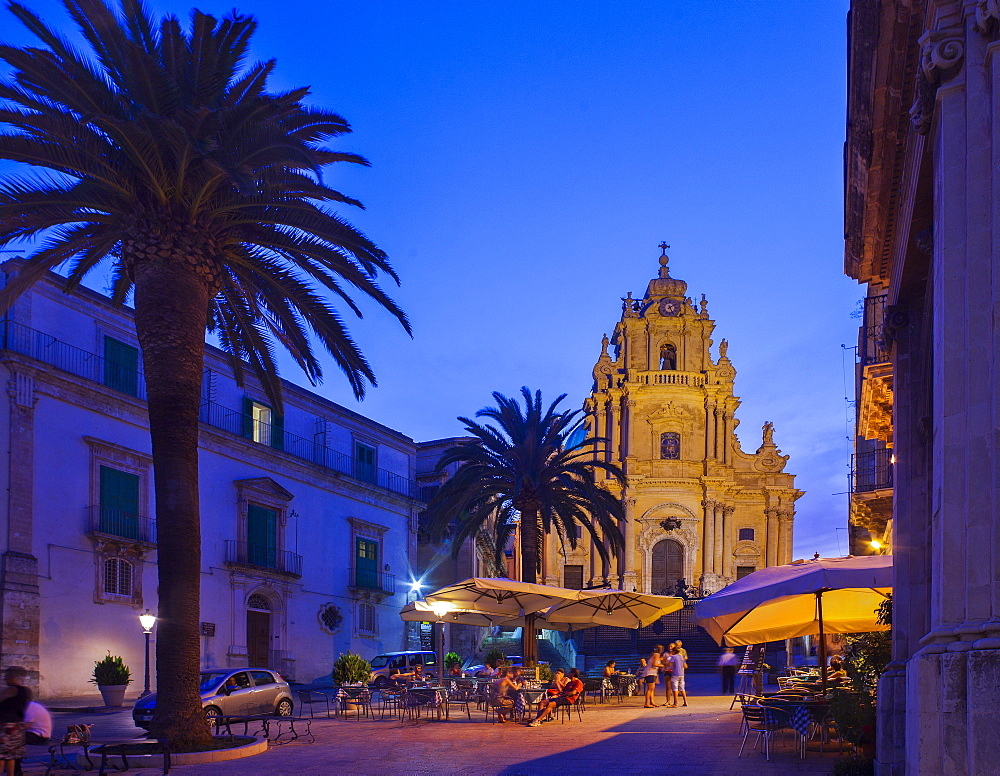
(37,728)
(728,663)
(666,671)
(680,648)
(651,673)
(677,689)
(13,701)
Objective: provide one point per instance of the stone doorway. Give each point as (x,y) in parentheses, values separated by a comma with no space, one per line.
(258,631)
(667,566)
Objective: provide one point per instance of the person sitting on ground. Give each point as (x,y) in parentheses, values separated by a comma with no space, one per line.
(567,697)
(503,693)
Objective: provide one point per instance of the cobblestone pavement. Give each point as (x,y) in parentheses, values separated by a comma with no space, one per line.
(612,738)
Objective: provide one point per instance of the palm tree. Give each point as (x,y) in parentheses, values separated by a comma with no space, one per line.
(168,159)
(522,473)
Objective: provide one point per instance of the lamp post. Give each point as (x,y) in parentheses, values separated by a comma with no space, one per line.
(440,609)
(876,546)
(147,620)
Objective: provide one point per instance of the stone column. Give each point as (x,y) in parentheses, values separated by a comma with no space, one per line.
(611,431)
(772,535)
(552,559)
(786,518)
(726,569)
(723,436)
(709,429)
(20,602)
(708,542)
(630,575)
(720,517)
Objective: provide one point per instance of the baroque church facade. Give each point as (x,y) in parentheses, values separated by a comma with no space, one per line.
(699,511)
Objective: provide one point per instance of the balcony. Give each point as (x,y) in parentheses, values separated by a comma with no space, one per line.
(120,524)
(873,347)
(261,556)
(670,377)
(29,342)
(871,471)
(376,581)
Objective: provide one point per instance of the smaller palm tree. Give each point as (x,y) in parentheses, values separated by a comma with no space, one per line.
(521,472)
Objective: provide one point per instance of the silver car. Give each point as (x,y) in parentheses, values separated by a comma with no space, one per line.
(231,691)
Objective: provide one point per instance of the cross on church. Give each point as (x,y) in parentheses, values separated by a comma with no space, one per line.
(663,247)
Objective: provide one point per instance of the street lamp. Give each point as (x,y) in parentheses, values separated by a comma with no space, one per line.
(147,620)
(441,609)
(876,546)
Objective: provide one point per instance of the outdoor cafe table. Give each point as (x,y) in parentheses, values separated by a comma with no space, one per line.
(528,697)
(801,713)
(435,697)
(621,684)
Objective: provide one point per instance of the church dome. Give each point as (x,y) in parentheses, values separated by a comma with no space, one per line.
(664,285)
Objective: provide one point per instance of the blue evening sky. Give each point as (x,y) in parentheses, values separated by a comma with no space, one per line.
(529,156)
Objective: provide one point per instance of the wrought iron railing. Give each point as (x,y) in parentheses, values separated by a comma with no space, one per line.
(370,579)
(871,470)
(121,524)
(873,345)
(263,556)
(69,358)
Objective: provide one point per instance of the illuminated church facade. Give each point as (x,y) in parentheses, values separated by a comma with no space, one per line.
(700,512)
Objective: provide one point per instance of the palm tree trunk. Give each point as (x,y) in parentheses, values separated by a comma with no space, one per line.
(529,573)
(171,304)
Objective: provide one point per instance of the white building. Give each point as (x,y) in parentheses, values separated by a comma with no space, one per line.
(308,520)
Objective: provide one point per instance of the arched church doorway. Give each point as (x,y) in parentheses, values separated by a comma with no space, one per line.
(258,630)
(667,566)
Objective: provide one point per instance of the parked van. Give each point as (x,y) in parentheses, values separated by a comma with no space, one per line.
(383,665)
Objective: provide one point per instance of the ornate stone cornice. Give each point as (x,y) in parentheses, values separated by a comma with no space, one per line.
(987,16)
(941,51)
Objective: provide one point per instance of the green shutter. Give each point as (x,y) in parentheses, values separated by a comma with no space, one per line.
(364,462)
(247,417)
(262,536)
(277,431)
(366,563)
(119,503)
(121,366)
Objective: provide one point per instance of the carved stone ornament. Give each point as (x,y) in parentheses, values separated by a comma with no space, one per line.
(941,51)
(987,16)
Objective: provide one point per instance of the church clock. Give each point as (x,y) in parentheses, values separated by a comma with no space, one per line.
(669,307)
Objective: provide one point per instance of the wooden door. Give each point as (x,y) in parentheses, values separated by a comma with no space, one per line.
(667,566)
(258,637)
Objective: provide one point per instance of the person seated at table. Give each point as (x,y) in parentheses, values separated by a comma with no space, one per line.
(502,693)
(836,671)
(418,674)
(641,670)
(553,690)
(456,670)
(397,678)
(609,668)
(567,697)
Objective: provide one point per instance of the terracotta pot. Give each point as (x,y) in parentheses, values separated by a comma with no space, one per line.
(113,694)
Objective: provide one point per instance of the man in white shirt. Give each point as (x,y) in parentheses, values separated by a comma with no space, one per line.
(37,728)
(728,663)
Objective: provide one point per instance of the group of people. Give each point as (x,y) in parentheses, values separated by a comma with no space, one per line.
(564,690)
(671,663)
(22,721)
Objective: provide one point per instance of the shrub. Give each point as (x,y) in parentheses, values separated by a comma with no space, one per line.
(495,657)
(452,659)
(865,657)
(111,671)
(545,672)
(350,668)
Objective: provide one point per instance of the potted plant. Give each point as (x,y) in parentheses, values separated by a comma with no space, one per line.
(112,678)
(350,669)
(451,660)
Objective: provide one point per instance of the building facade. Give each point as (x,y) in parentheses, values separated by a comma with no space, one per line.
(923,230)
(700,512)
(308,519)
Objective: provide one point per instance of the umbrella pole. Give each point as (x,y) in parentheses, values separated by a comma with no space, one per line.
(529,649)
(822,640)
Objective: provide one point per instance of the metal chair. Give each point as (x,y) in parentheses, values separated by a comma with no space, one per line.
(757,721)
(391,700)
(310,698)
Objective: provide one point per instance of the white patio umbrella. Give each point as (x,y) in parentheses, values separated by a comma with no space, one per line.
(825,595)
(497,595)
(617,608)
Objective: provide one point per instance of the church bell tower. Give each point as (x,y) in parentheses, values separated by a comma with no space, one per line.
(699,511)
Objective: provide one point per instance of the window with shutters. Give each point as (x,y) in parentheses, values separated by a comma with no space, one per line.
(367,620)
(262,536)
(118,513)
(261,540)
(746,534)
(118,574)
(121,366)
(364,462)
(573,577)
(262,424)
(366,563)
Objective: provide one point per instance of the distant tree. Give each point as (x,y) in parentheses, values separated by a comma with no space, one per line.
(521,472)
(169,158)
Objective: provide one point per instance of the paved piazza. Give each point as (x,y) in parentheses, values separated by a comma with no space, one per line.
(613,738)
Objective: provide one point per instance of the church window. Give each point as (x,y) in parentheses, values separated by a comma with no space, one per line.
(746,534)
(118,577)
(668,357)
(670,445)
